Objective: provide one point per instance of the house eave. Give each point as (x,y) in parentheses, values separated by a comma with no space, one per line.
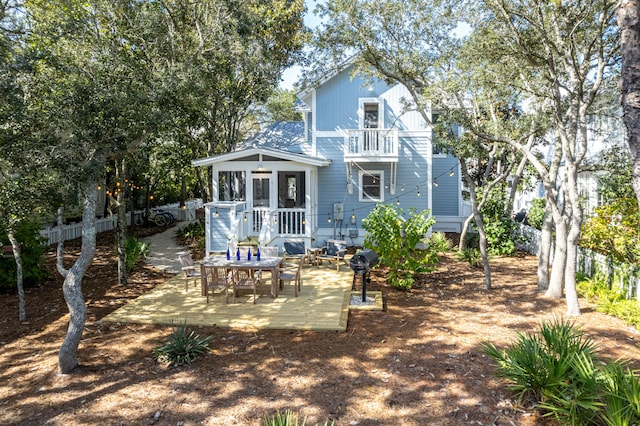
(283,155)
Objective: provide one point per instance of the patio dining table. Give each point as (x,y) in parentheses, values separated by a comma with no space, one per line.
(271,264)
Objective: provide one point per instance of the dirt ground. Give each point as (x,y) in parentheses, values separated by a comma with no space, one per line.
(415,363)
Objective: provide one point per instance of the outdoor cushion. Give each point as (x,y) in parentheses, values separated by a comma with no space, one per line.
(294,248)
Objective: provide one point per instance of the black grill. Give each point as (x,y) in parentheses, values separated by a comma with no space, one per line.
(361,263)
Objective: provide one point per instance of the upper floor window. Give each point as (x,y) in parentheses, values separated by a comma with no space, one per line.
(371,185)
(370,113)
(437,146)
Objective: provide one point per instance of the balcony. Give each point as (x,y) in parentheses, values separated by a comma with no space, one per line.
(371,145)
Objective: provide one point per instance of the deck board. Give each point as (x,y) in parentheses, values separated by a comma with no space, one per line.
(322,305)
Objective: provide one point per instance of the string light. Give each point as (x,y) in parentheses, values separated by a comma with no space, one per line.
(451,173)
(245,217)
(418,190)
(217,214)
(403,187)
(398,202)
(435,183)
(329,218)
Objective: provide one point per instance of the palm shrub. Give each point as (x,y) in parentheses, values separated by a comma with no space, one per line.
(136,251)
(395,237)
(548,365)
(470,255)
(557,367)
(621,395)
(183,345)
(288,418)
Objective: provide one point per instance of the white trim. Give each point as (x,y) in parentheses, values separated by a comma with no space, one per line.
(361,196)
(299,158)
(379,102)
(344,133)
(314,115)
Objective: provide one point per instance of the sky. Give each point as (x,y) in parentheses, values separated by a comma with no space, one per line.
(291,75)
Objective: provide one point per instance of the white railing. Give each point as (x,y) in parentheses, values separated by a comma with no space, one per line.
(291,222)
(74,230)
(589,262)
(371,143)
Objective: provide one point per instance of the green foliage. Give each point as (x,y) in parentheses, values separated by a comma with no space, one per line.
(499,227)
(288,418)
(558,368)
(607,300)
(192,230)
(614,232)
(538,364)
(193,233)
(136,251)
(470,255)
(535,215)
(621,395)
(439,242)
(33,249)
(183,346)
(396,239)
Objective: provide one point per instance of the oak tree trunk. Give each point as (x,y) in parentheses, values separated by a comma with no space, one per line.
(72,286)
(17,255)
(544,255)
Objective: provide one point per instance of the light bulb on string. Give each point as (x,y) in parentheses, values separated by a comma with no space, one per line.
(398,202)
(418,189)
(245,217)
(329,218)
(451,173)
(435,183)
(217,213)
(403,187)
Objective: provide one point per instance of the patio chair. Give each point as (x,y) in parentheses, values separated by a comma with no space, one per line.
(268,251)
(246,279)
(189,268)
(333,252)
(294,248)
(215,278)
(290,272)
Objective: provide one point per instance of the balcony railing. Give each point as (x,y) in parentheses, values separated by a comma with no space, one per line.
(281,222)
(371,145)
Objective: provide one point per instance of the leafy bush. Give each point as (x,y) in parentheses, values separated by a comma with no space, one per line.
(499,226)
(396,238)
(609,301)
(194,233)
(136,251)
(183,346)
(192,230)
(558,368)
(470,255)
(33,249)
(613,231)
(535,215)
(289,418)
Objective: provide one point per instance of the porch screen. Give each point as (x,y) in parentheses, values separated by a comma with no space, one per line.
(232,186)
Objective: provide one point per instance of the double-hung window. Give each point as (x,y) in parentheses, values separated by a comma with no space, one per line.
(371,185)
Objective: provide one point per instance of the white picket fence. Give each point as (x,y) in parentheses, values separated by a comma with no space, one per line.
(627,277)
(74,230)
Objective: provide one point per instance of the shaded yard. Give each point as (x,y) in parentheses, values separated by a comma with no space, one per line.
(415,363)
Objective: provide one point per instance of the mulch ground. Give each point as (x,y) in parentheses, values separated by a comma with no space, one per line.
(417,362)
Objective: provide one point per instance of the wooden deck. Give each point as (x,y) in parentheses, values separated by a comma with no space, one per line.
(322,305)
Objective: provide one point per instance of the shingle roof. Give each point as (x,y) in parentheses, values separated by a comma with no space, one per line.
(282,135)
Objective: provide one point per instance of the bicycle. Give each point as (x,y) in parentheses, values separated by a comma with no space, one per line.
(153,216)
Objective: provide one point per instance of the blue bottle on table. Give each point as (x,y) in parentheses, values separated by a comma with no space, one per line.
(238,254)
(258,254)
(228,253)
(249,253)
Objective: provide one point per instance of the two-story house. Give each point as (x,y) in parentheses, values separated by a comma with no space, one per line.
(358,145)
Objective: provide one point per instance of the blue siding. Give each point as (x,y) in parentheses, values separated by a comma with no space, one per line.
(445,195)
(337,101)
(332,183)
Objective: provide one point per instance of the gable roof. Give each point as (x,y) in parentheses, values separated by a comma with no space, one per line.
(267,152)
